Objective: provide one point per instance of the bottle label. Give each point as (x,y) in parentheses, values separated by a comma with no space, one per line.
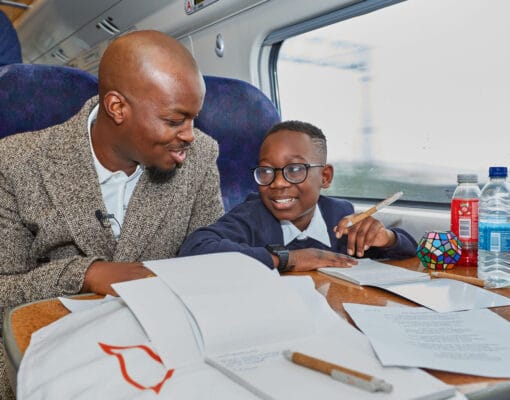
(464,219)
(494,236)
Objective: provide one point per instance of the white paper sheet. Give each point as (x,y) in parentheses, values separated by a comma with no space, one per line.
(266,369)
(75,305)
(64,361)
(474,342)
(164,319)
(447,295)
(375,273)
(441,295)
(216,300)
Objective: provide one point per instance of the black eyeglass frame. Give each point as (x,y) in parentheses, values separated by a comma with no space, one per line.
(284,173)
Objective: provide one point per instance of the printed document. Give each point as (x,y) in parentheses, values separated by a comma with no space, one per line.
(471,342)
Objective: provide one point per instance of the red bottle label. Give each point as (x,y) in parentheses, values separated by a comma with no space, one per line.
(464,219)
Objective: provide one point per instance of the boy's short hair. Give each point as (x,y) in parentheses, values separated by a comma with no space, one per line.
(317,136)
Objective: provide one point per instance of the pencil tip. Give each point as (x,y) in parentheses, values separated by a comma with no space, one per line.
(287,354)
(383,386)
(386,387)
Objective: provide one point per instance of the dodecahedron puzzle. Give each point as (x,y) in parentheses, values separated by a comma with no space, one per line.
(439,250)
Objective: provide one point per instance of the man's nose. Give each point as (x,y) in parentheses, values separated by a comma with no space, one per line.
(186,133)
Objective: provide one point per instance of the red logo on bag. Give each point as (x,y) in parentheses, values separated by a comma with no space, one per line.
(114,351)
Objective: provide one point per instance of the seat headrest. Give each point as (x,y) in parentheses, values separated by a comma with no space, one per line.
(237,115)
(10,49)
(36,96)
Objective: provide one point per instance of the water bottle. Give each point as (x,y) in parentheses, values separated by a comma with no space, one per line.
(494,230)
(464,217)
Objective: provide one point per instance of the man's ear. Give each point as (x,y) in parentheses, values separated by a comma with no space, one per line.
(327,176)
(116,106)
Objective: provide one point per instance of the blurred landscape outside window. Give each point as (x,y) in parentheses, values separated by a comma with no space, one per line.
(408,96)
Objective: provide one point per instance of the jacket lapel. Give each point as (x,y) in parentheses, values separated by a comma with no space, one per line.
(72,184)
(150,206)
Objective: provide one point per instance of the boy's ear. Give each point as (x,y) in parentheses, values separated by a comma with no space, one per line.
(327,176)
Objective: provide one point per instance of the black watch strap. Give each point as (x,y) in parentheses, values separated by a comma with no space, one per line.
(283,256)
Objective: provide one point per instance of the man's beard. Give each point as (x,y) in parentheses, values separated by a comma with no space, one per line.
(158,175)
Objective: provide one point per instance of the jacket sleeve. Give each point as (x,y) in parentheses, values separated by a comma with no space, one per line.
(232,232)
(335,209)
(404,247)
(23,278)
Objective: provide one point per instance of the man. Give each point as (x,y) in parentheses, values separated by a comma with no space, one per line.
(289,225)
(82,204)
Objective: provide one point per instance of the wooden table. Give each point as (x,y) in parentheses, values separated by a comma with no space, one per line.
(19,323)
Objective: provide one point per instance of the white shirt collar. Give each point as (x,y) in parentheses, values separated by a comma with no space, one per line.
(316,230)
(103,173)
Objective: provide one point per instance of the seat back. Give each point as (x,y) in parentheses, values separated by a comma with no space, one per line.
(10,49)
(36,96)
(237,115)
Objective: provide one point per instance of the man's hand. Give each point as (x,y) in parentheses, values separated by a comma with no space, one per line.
(311,259)
(369,232)
(101,274)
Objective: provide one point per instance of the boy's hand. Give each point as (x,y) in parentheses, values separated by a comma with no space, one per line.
(367,233)
(311,259)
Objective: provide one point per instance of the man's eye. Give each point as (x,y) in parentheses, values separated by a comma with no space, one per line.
(174,122)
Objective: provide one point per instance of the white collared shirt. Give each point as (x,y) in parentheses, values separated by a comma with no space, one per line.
(316,230)
(116,187)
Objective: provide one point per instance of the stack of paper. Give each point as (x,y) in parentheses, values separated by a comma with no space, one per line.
(209,327)
(441,295)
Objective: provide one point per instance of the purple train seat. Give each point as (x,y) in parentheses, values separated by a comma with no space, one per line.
(237,115)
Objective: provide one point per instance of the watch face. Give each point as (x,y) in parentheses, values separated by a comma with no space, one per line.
(275,248)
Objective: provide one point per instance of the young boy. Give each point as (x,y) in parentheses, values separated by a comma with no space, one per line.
(289,225)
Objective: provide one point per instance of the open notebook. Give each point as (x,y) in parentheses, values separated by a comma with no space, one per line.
(243,316)
(441,295)
(217,326)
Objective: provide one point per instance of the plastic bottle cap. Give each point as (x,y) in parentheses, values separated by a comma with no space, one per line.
(498,172)
(467,178)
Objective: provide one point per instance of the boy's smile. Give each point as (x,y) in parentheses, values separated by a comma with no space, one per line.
(283,203)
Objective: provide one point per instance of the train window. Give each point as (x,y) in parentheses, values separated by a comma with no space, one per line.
(408,95)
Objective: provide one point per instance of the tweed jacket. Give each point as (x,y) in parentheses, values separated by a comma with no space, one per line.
(49,192)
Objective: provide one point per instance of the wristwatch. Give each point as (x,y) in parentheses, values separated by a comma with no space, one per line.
(283,256)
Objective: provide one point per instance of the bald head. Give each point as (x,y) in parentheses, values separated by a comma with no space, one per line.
(137,60)
(150,91)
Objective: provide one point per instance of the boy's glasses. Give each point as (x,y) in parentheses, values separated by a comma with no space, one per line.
(293,173)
